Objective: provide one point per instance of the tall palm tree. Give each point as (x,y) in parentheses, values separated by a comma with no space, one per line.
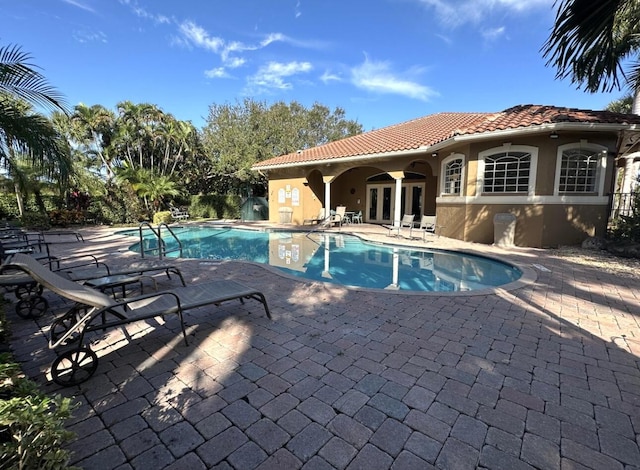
(92,126)
(590,41)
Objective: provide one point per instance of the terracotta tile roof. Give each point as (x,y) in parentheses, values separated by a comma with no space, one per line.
(435,128)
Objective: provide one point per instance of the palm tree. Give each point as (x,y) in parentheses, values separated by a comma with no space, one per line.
(27,136)
(152,188)
(30,141)
(92,126)
(590,41)
(20,79)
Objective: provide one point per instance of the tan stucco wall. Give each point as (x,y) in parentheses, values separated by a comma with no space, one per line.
(538,225)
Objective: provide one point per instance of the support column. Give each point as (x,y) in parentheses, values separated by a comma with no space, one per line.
(397,212)
(629,177)
(327,194)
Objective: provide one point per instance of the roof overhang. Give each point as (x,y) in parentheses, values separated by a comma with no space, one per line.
(463,138)
(369,157)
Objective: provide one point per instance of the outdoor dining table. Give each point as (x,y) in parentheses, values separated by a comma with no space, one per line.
(348,216)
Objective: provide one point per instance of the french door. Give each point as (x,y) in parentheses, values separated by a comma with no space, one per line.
(381,202)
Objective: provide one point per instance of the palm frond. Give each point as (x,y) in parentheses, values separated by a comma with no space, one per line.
(20,78)
(33,135)
(585,45)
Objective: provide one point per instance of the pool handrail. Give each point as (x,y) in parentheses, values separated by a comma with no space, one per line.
(162,246)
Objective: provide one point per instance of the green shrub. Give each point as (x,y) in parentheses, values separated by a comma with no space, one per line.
(628,227)
(64,217)
(35,220)
(162,217)
(32,432)
(217,206)
(119,206)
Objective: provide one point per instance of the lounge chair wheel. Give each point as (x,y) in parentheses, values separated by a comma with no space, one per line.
(59,328)
(32,307)
(74,366)
(28,290)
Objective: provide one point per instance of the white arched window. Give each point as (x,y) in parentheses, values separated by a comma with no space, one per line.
(452,175)
(580,169)
(508,169)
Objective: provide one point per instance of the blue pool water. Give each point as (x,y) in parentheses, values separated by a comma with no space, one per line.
(340,259)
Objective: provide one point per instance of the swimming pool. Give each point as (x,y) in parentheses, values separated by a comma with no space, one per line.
(341,259)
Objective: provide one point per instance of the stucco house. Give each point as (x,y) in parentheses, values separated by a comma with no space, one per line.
(553,168)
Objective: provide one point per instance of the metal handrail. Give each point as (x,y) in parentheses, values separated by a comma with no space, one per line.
(622,204)
(175,237)
(162,246)
(157,236)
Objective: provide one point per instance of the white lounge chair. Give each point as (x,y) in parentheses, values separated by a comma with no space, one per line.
(178,213)
(407,221)
(427,225)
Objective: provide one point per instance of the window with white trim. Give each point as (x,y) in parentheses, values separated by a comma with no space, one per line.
(507,172)
(452,176)
(579,170)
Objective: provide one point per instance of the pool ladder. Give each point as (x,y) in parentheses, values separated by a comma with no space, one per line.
(161,249)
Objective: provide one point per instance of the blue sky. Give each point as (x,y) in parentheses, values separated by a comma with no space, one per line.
(382,61)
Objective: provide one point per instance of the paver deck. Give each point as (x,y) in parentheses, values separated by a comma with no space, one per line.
(543,376)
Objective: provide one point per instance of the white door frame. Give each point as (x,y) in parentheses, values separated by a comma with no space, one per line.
(408,195)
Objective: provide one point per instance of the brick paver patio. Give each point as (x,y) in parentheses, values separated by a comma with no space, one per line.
(542,376)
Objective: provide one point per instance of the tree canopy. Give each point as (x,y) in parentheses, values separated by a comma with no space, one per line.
(239,135)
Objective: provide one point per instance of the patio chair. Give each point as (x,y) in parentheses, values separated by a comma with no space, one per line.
(96,311)
(178,213)
(85,269)
(338,218)
(357,218)
(427,225)
(407,221)
(37,249)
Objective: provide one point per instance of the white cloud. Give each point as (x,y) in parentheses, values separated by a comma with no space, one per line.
(377,77)
(199,37)
(274,75)
(80,5)
(492,34)
(85,36)
(235,62)
(457,12)
(218,72)
(229,50)
(142,13)
(327,77)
